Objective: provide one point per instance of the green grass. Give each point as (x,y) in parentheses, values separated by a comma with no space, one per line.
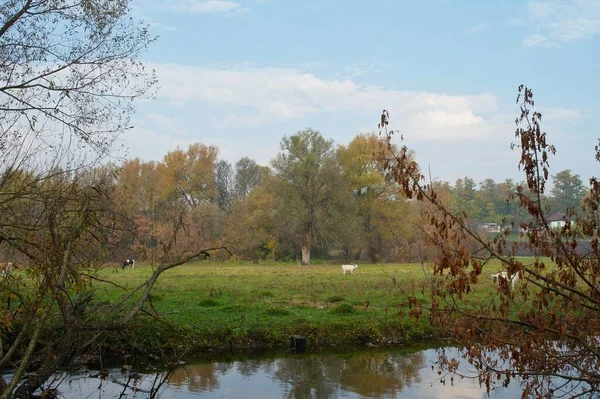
(241,306)
(226,304)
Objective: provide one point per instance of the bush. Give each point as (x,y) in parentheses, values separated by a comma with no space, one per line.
(208,303)
(344,308)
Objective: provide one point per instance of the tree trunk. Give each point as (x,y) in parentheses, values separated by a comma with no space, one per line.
(306,248)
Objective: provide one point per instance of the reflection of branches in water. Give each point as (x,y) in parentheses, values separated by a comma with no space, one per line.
(198,377)
(377,374)
(224,367)
(269,366)
(373,374)
(133,383)
(248,367)
(461,363)
(305,377)
(54,382)
(370,374)
(158,381)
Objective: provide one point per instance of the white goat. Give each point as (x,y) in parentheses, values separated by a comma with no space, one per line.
(348,268)
(504,276)
(6,268)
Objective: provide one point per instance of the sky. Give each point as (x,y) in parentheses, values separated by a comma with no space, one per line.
(242,74)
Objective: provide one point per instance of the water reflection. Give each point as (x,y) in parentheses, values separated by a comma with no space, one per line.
(198,377)
(369,374)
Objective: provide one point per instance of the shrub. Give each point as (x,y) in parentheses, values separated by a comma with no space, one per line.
(208,303)
(344,308)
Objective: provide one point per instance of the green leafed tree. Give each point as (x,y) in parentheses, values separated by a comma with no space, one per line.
(310,185)
(567,192)
(224,185)
(383,223)
(248,175)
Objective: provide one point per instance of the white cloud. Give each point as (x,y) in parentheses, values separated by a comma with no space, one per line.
(245,112)
(562,21)
(147,144)
(161,120)
(266,96)
(478,28)
(205,7)
(561,114)
(154,24)
(150,141)
(539,40)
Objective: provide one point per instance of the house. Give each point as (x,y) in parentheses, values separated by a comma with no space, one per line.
(557,220)
(488,228)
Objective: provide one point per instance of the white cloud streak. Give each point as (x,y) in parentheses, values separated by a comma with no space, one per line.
(562,114)
(478,28)
(270,95)
(562,21)
(245,112)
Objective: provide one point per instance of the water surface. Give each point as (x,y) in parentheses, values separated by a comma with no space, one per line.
(366,374)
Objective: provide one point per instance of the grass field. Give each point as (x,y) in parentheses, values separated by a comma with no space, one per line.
(244,306)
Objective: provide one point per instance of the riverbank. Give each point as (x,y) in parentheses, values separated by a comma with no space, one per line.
(247,308)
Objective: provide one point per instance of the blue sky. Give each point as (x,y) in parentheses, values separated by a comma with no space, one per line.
(241,74)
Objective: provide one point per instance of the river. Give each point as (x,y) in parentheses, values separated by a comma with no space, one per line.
(364,374)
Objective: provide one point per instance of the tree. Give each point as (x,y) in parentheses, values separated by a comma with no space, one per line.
(69,71)
(224,185)
(158,196)
(508,209)
(466,197)
(568,191)
(189,176)
(251,226)
(546,329)
(248,175)
(310,182)
(383,217)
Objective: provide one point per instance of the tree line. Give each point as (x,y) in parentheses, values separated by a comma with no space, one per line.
(315,199)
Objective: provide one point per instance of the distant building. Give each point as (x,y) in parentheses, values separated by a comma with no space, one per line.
(557,220)
(489,228)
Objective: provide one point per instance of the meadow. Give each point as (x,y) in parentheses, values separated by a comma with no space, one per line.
(233,306)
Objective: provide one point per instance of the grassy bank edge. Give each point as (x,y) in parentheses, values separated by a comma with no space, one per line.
(149,337)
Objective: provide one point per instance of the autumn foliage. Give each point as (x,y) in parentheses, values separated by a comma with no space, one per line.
(544,332)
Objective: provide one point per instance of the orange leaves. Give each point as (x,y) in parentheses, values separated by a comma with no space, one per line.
(415,308)
(550,319)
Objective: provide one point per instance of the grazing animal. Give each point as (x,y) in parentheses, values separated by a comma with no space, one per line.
(504,275)
(6,268)
(348,268)
(128,262)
